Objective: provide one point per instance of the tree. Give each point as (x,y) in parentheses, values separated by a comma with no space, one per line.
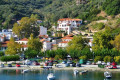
(111,7)
(77,43)
(102,39)
(13,47)
(34,43)
(26,26)
(116,42)
(30,53)
(74,46)
(107,59)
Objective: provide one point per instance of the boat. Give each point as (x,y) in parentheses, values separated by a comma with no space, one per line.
(76,72)
(25,71)
(83,72)
(107,74)
(51,76)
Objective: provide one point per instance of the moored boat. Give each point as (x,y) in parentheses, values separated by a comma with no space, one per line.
(107,74)
(51,76)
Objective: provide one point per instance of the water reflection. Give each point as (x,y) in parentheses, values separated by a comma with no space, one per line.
(60,75)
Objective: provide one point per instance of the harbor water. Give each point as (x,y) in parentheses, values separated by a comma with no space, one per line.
(59,75)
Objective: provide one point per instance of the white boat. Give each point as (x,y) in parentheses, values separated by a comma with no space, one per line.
(107,74)
(25,71)
(76,72)
(83,72)
(51,76)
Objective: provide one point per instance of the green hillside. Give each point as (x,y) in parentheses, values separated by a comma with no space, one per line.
(51,10)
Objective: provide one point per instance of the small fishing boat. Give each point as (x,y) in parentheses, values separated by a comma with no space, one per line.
(83,72)
(25,71)
(76,72)
(51,76)
(107,74)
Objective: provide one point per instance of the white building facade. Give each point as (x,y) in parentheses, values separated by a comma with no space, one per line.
(67,24)
(43,30)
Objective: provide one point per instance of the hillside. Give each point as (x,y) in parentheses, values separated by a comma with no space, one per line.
(51,10)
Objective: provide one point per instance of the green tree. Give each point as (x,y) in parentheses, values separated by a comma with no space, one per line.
(34,43)
(13,47)
(116,42)
(77,43)
(111,7)
(30,53)
(102,39)
(26,26)
(74,46)
(107,59)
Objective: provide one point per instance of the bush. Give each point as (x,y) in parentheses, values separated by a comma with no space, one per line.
(10,58)
(1,53)
(29,53)
(57,57)
(83,57)
(98,58)
(117,59)
(107,59)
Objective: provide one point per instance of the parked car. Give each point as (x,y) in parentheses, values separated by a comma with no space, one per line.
(88,62)
(36,63)
(9,65)
(70,62)
(17,65)
(64,62)
(2,65)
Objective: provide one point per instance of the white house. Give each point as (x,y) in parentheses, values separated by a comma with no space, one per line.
(47,45)
(67,24)
(65,41)
(43,30)
(24,42)
(6,34)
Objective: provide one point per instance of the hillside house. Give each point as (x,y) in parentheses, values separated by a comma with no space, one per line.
(24,42)
(67,24)
(65,41)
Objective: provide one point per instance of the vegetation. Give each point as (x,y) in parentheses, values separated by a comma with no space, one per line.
(98,58)
(117,59)
(10,58)
(26,26)
(13,48)
(34,43)
(50,10)
(29,53)
(107,59)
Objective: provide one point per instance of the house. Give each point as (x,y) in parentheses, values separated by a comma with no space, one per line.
(43,30)
(24,42)
(4,46)
(65,41)
(68,24)
(6,34)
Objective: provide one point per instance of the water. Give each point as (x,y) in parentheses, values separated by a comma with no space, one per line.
(60,75)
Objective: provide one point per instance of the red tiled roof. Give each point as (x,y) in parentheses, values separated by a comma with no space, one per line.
(24,39)
(4,44)
(67,38)
(69,19)
(24,46)
(43,36)
(42,40)
(64,42)
(70,35)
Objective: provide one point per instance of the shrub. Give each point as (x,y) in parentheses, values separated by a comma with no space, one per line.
(57,57)
(10,58)
(98,58)
(117,58)
(1,53)
(107,59)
